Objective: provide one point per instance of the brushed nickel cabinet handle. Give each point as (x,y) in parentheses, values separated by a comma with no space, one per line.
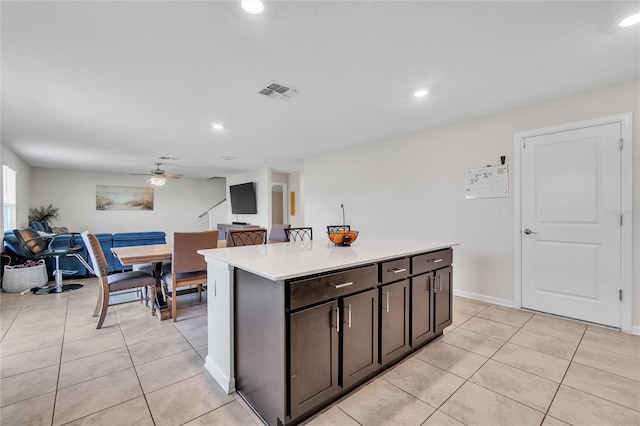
(349,321)
(338,320)
(434,260)
(397,270)
(343,284)
(387,301)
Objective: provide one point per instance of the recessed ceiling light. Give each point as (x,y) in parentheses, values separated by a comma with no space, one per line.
(228,158)
(253,7)
(421,93)
(631,20)
(263,162)
(217,126)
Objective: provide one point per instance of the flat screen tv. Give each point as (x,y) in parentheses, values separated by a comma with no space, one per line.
(243,198)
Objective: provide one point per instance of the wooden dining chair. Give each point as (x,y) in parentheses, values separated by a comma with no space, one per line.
(246,237)
(121,282)
(188,268)
(299,234)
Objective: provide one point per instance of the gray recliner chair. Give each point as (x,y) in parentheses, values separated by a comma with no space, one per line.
(35,247)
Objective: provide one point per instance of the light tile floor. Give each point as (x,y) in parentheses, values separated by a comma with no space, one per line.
(493,366)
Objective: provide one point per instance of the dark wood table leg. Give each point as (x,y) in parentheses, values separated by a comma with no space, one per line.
(162,310)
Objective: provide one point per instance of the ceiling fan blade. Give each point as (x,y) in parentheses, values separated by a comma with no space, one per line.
(141,174)
(172,176)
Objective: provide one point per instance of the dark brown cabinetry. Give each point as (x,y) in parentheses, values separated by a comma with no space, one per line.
(394,321)
(359,333)
(334,345)
(301,343)
(442,298)
(422,320)
(331,350)
(314,356)
(430,295)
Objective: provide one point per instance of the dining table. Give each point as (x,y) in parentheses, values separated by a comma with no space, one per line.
(154,254)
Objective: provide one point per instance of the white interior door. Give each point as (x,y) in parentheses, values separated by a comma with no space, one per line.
(571,224)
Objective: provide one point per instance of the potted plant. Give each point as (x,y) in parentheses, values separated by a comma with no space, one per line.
(44,214)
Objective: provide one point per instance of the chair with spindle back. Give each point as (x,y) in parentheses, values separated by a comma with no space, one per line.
(246,237)
(299,234)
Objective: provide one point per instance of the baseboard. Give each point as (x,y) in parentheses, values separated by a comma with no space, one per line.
(227,384)
(484,298)
(509,303)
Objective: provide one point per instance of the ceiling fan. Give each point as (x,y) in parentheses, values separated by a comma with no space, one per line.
(158,176)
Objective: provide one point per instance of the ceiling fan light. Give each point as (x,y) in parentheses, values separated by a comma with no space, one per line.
(158,181)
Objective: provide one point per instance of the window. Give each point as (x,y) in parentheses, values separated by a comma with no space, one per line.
(9,198)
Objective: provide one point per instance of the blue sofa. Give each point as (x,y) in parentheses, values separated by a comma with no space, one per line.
(107,241)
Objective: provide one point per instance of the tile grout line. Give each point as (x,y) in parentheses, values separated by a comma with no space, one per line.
(348,415)
(545,414)
(55,397)
(465,379)
(60,369)
(12,321)
(211,411)
(565,375)
(144,394)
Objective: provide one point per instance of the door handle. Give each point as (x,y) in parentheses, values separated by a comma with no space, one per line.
(343,284)
(386,294)
(529,231)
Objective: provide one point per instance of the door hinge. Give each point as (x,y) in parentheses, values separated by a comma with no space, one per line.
(620,294)
(524,143)
(620,144)
(621,219)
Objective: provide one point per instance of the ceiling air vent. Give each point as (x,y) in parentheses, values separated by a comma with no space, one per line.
(276,90)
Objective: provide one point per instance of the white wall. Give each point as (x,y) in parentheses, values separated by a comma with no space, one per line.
(262,182)
(296,184)
(263,179)
(177,204)
(23,183)
(278,199)
(413,186)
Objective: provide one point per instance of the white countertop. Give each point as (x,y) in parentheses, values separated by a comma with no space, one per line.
(281,261)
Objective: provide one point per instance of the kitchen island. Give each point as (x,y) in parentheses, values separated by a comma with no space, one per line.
(294,326)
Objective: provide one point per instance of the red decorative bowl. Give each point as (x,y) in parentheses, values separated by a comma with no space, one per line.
(343,238)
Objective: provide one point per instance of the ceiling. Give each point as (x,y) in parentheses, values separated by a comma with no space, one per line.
(111,86)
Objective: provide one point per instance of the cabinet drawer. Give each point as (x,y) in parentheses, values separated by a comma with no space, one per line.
(325,287)
(394,270)
(430,261)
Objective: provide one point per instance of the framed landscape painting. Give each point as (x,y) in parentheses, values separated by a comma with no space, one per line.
(124,197)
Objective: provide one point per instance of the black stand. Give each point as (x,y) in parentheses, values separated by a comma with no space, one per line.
(56,290)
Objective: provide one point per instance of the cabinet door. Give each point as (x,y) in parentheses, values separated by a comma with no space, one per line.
(394,320)
(359,333)
(313,357)
(422,320)
(442,298)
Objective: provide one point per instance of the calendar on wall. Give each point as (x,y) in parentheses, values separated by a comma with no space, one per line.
(487,182)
